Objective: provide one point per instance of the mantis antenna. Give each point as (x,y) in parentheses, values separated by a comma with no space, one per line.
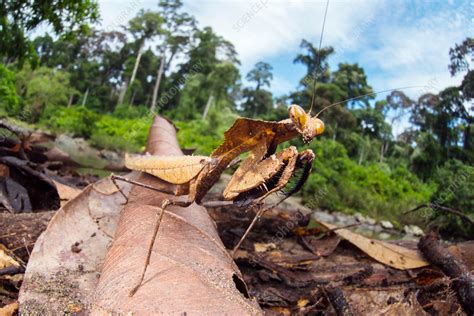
(318,58)
(366,95)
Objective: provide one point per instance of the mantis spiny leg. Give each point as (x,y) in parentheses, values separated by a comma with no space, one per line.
(304,159)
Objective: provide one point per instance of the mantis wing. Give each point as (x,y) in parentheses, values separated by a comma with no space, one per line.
(243,130)
(173,169)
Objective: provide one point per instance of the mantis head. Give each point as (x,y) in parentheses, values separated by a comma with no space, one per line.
(309,127)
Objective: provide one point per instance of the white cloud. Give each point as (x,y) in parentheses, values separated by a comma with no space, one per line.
(261,29)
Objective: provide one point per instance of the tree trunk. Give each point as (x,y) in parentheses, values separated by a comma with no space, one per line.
(135,67)
(132,99)
(85,97)
(208,106)
(132,78)
(383,150)
(122,93)
(467,137)
(362,154)
(71,98)
(157,84)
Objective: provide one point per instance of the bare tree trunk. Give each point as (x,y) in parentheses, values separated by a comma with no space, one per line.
(132,99)
(135,67)
(132,78)
(85,97)
(208,106)
(362,154)
(382,152)
(71,98)
(335,132)
(122,93)
(157,84)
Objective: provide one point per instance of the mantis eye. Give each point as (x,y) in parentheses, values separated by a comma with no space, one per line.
(318,126)
(314,128)
(298,116)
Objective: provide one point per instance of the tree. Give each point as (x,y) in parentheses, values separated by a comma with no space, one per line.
(210,74)
(460,56)
(42,86)
(258,101)
(317,66)
(178,27)
(145,26)
(9,102)
(353,80)
(18,17)
(261,74)
(93,59)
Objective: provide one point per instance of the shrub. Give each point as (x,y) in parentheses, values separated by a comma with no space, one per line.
(205,135)
(9,102)
(372,189)
(128,112)
(456,191)
(78,121)
(121,134)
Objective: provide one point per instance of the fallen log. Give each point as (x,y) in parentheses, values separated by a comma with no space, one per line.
(190,270)
(462,279)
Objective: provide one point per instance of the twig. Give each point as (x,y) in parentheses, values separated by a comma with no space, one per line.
(12,270)
(443,208)
(26,247)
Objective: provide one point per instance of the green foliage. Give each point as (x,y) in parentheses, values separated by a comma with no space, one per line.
(78,121)
(121,134)
(455,190)
(18,17)
(205,135)
(41,87)
(374,189)
(9,102)
(130,112)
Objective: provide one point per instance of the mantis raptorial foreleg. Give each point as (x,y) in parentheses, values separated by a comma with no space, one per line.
(304,159)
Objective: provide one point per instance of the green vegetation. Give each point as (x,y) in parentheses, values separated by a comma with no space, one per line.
(105,86)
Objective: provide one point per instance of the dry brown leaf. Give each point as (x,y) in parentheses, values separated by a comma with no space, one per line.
(262,247)
(66,192)
(409,306)
(58,280)
(7,258)
(392,255)
(10,309)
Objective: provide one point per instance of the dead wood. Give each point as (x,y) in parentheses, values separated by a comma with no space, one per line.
(462,279)
(190,270)
(42,192)
(338,301)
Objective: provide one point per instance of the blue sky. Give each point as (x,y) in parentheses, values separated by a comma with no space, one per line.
(398,43)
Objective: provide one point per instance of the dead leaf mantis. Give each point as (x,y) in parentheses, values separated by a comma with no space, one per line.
(261,174)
